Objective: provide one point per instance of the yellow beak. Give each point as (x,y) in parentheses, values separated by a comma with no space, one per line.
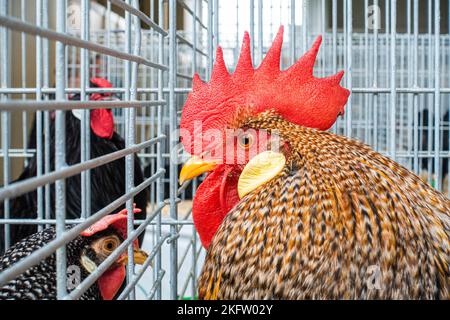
(194,167)
(139,257)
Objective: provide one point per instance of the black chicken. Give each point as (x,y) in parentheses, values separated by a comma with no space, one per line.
(84,254)
(107,181)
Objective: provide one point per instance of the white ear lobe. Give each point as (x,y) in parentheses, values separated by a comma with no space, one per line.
(259,170)
(78,113)
(88,264)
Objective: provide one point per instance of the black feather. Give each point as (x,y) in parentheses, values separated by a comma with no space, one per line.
(107,181)
(39,282)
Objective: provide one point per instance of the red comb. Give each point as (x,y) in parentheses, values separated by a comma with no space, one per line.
(100,82)
(118,221)
(294,93)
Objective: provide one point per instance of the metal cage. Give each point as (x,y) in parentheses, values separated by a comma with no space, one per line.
(395,54)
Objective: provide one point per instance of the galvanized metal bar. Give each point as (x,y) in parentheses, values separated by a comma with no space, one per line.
(5,117)
(260,33)
(23,47)
(65,39)
(60,151)
(415,64)
(47,90)
(410,111)
(191,12)
(108,38)
(305,9)
(292,35)
(148,263)
(42,253)
(252,29)
(430,64)
(142,16)
(173,272)
(156,285)
(216,23)
(85,128)
(14,105)
(349,37)
(209,39)
(18,188)
(437,97)
(367,78)
(194,263)
(39,118)
(392,137)
(46,84)
(159,160)
(183,40)
(194,69)
(168,221)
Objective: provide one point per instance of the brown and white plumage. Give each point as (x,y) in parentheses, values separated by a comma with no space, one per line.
(337,210)
(319,217)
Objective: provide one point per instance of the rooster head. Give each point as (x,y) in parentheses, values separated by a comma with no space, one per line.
(240,158)
(105,236)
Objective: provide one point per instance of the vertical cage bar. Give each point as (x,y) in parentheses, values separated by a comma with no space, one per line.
(60,150)
(252,29)
(46,81)
(415,64)
(349,37)
(448,84)
(375,78)
(393,95)
(174,138)
(216,24)
(437,104)
(366,75)
(210,38)
(292,44)
(5,83)
(260,32)
(410,122)
(334,46)
(429,98)
(305,8)
(23,48)
(39,156)
(159,150)
(108,39)
(85,129)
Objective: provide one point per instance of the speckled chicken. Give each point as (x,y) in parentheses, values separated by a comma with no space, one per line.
(85,253)
(298,212)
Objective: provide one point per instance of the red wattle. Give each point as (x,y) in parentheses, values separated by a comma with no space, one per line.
(110,282)
(214,198)
(102,123)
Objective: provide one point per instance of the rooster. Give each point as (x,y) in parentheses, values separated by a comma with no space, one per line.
(107,181)
(86,252)
(290,211)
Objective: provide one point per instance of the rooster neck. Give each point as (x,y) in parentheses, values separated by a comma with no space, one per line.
(337,207)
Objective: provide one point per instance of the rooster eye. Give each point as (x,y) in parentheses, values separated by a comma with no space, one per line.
(109,245)
(245,140)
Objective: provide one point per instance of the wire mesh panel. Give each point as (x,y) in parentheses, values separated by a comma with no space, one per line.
(67,78)
(139,66)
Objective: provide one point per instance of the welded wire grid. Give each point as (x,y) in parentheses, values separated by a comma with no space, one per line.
(141,62)
(399,104)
